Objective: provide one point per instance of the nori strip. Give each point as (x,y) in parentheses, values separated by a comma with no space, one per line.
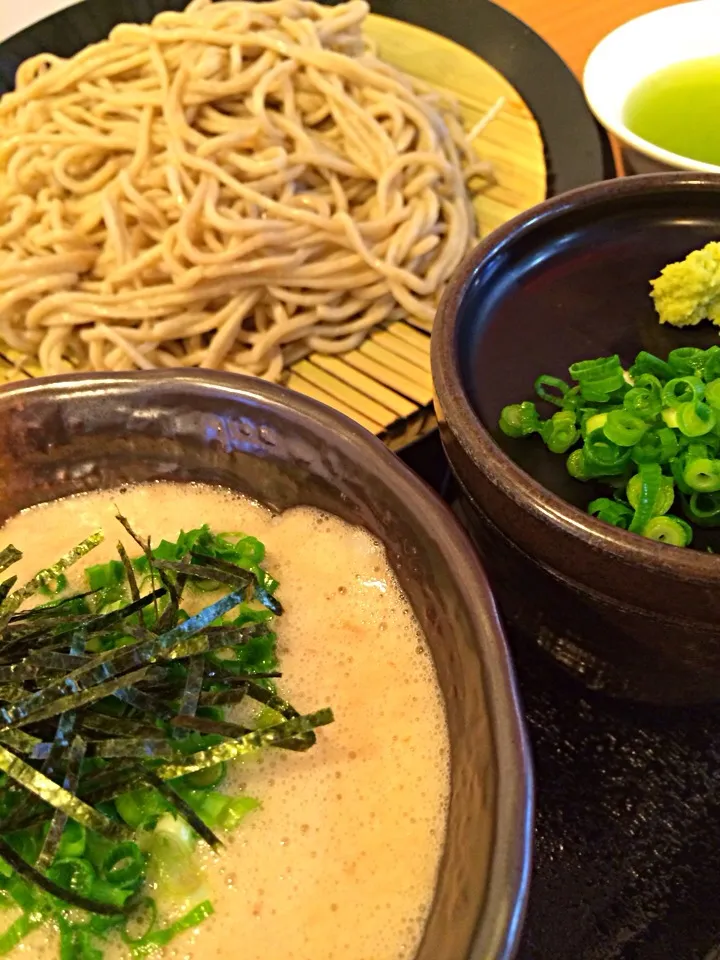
(222,728)
(75,758)
(145,546)
(63,732)
(95,622)
(272,603)
(50,610)
(144,702)
(12,693)
(271,700)
(232,749)
(19,741)
(222,698)
(233,731)
(184,809)
(76,700)
(31,875)
(11,603)
(122,747)
(78,642)
(199,622)
(6,586)
(37,783)
(129,571)
(237,679)
(95,670)
(240,579)
(109,726)
(193,686)
(73,690)
(36,665)
(214,638)
(9,556)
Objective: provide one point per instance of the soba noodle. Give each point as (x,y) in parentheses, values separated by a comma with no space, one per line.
(226,187)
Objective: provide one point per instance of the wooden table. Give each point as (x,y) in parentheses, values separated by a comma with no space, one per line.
(574,27)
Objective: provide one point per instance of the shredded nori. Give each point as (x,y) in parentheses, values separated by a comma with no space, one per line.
(193,685)
(232,749)
(36,782)
(100,696)
(57,825)
(207,725)
(13,601)
(8,557)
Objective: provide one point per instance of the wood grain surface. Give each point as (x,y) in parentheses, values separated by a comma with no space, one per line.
(574,27)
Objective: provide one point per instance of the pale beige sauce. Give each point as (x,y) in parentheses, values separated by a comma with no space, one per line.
(340,862)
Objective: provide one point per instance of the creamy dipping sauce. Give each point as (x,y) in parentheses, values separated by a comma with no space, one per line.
(340,862)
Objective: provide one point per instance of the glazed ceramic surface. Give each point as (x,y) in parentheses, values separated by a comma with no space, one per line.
(68,435)
(567,281)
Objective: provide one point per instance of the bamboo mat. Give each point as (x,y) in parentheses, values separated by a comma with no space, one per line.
(385,384)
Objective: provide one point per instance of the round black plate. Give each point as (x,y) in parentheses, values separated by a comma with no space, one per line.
(577,150)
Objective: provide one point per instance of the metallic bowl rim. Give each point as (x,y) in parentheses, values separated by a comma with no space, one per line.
(456,411)
(510,864)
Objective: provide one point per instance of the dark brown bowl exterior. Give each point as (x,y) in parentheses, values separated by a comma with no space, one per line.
(67,435)
(569,280)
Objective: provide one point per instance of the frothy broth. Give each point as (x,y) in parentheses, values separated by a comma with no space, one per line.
(340,863)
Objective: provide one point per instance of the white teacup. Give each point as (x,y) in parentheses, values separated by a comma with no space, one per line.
(637,50)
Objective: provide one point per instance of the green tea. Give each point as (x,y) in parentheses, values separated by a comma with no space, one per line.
(678,109)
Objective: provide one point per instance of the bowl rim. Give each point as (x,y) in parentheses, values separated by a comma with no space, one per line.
(594,90)
(456,410)
(510,861)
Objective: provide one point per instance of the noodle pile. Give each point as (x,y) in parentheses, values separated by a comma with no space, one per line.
(227,187)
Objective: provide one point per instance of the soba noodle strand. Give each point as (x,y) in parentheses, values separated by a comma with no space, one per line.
(230,187)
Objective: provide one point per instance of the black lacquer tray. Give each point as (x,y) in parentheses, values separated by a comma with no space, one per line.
(627,850)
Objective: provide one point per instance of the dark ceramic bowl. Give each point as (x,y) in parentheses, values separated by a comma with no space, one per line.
(565,281)
(66,435)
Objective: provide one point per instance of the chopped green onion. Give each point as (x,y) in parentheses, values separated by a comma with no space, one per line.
(702,474)
(695,419)
(551,389)
(623,428)
(560,431)
(686,361)
(161,938)
(520,419)
(704,508)
(124,864)
(577,467)
(670,530)
(611,511)
(655,446)
(593,422)
(669,416)
(664,497)
(649,363)
(711,366)
(140,808)
(598,378)
(104,575)
(73,873)
(650,494)
(712,393)
(208,778)
(682,390)
(143,917)
(602,456)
